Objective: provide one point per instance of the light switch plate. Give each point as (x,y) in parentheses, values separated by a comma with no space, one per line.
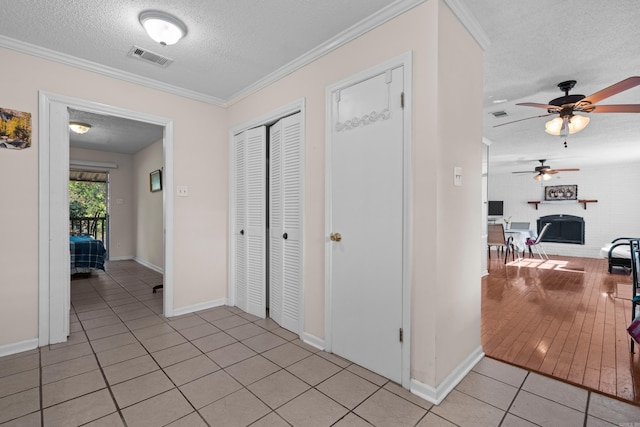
(457,176)
(182,191)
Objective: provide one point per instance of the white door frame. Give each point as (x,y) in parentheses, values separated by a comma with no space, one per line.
(406,61)
(264,119)
(53,237)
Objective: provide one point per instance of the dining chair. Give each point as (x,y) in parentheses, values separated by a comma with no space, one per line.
(635,280)
(497,238)
(536,243)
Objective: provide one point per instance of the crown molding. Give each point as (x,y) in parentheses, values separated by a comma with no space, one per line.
(94,67)
(470,22)
(383,15)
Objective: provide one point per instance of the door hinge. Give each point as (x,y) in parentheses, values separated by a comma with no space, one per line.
(401,99)
(401,335)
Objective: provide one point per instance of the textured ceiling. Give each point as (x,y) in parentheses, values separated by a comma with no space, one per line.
(534,46)
(232,45)
(110,133)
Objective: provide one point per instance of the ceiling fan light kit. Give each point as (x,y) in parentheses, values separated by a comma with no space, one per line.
(568,122)
(542,177)
(575,123)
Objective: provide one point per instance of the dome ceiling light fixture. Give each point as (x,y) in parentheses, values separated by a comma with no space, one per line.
(79,127)
(162,27)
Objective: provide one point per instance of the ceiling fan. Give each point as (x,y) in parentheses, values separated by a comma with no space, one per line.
(544,172)
(566,106)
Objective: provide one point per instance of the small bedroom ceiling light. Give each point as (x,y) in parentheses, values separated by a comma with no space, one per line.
(162,27)
(79,127)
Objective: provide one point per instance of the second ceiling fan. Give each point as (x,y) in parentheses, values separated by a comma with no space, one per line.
(544,172)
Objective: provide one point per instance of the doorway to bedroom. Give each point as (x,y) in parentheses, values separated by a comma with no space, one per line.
(57,151)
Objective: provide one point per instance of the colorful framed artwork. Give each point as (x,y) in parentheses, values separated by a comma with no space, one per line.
(561,192)
(155,181)
(15,129)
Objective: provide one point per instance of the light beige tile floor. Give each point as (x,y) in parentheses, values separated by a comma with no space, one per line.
(127,365)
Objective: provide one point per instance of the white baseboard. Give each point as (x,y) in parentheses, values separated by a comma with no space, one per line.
(200,306)
(18,347)
(120,258)
(313,341)
(437,394)
(149,265)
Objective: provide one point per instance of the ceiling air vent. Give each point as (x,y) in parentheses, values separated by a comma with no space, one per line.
(152,57)
(499,114)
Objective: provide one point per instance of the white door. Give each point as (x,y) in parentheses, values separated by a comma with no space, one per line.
(367,212)
(250,220)
(285,218)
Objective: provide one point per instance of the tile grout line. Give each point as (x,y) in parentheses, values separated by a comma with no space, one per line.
(260,354)
(586,409)
(515,396)
(100,367)
(221,368)
(155,361)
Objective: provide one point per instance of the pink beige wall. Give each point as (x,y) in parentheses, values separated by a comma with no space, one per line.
(148,208)
(200,145)
(447,73)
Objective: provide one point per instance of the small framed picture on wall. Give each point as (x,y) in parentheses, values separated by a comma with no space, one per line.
(155,181)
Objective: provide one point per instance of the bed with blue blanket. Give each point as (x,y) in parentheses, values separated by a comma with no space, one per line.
(87,254)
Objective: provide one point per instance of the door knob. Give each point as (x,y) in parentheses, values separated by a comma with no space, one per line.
(336,237)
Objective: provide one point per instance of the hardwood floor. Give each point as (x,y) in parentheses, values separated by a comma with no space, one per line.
(566,318)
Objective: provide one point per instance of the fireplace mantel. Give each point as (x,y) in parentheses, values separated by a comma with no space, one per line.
(557,202)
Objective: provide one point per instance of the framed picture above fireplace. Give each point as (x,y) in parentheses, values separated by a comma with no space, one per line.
(561,192)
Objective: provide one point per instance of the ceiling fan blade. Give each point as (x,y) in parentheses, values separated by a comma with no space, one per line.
(537,105)
(563,170)
(528,118)
(551,171)
(612,90)
(525,172)
(620,108)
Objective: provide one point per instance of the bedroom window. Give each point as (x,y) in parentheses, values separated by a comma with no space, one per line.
(88,203)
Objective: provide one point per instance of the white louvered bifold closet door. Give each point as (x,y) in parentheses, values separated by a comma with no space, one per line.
(251,221)
(285,222)
(240,213)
